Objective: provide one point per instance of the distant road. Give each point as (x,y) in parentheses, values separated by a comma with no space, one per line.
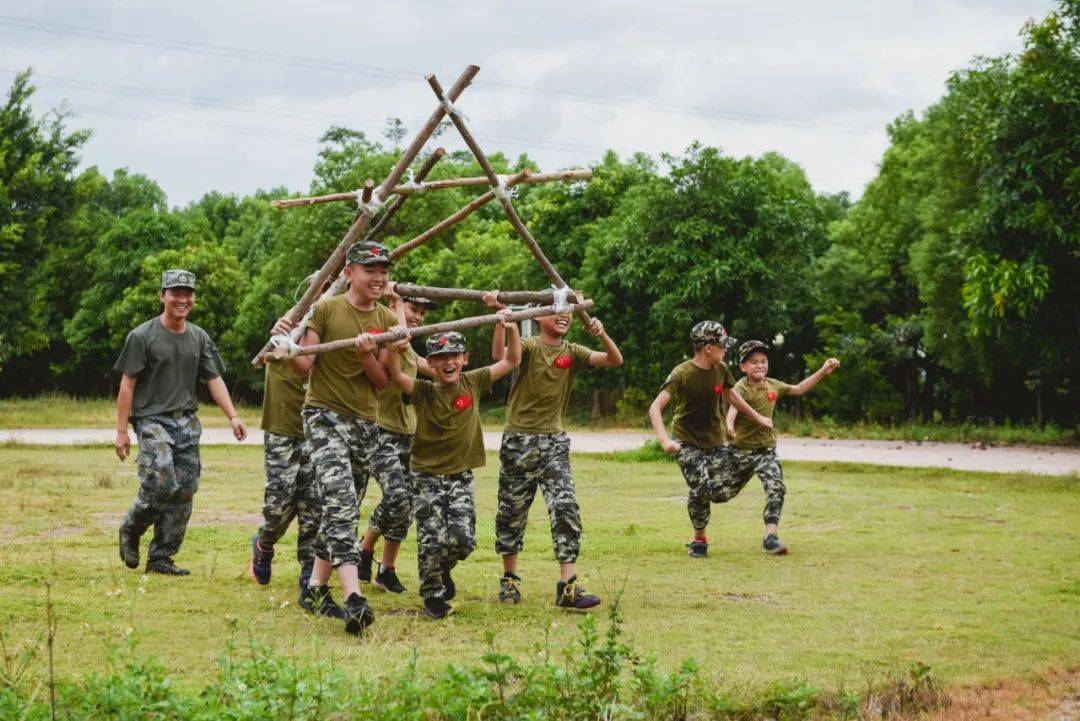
(1050,460)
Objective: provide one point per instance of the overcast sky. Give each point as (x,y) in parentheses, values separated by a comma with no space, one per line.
(233,96)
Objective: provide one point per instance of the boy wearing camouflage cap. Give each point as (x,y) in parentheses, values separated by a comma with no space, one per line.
(535,450)
(698,387)
(753,446)
(340,414)
(448,444)
(397,424)
(161,362)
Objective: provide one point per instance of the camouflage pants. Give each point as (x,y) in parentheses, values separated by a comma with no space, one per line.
(742,464)
(168,467)
(289,493)
(445,525)
(390,465)
(703,469)
(531,460)
(341,450)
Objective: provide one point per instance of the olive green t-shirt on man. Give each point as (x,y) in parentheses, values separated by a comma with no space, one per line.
(448,437)
(166,366)
(338,382)
(396,413)
(539,398)
(283,396)
(698,395)
(762,398)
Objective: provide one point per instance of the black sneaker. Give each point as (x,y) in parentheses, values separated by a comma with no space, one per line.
(363,569)
(129,548)
(568,594)
(305,578)
(317,601)
(167,568)
(261,558)
(510,588)
(387,579)
(449,589)
(358,614)
(437,608)
(773,546)
(698,549)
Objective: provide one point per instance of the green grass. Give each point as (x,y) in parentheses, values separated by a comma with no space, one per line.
(974,574)
(63,411)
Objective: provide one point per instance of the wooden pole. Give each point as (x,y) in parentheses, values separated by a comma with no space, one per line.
(411,189)
(454,219)
(359,225)
(279,353)
(504,199)
(506,297)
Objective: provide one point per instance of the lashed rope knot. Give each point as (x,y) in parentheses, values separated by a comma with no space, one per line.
(372,206)
(561,295)
(283,347)
(502,192)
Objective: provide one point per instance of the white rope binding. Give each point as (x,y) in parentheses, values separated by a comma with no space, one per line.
(414,185)
(561,296)
(284,347)
(502,192)
(451,109)
(372,206)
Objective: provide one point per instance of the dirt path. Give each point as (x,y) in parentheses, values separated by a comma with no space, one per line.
(1050,460)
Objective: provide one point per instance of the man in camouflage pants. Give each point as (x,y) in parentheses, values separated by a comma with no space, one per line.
(161,361)
(535,451)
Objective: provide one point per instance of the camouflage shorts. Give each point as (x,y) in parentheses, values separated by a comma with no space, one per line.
(528,461)
(168,466)
(742,464)
(390,466)
(342,447)
(445,525)
(290,492)
(702,468)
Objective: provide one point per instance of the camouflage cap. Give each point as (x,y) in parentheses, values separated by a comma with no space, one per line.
(177,278)
(711,332)
(366,252)
(446,343)
(750,347)
(426,302)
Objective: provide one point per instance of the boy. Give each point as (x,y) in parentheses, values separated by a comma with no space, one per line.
(698,386)
(753,448)
(397,424)
(161,361)
(535,450)
(448,444)
(341,409)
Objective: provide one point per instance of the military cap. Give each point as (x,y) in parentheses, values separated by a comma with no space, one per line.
(750,347)
(176,278)
(711,332)
(446,343)
(426,302)
(366,252)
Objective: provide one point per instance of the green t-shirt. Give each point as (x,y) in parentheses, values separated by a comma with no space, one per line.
(698,397)
(338,382)
(283,396)
(541,392)
(396,413)
(166,365)
(448,437)
(762,398)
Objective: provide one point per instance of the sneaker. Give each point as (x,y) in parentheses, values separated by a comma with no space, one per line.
(358,614)
(167,568)
(449,589)
(437,608)
(387,579)
(510,588)
(317,601)
(773,546)
(129,548)
(261,558)
(363,569)
(698,549)
(568,594)
(305,577)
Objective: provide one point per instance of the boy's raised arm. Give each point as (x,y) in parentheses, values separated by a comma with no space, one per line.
(814,378)
(498,335)
(512,358)
(393,367)
(611,356)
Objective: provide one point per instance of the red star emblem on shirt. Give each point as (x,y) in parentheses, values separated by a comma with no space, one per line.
(376,331)
(772,395)
(562,362)
(463,402)
(718,389)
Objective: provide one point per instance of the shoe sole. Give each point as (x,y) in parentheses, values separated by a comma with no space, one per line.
(354,626)
(124,557)
(436,617)
(782,551)
(386,588)
(512,601)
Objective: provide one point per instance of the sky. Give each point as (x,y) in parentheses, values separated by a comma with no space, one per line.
(233,96)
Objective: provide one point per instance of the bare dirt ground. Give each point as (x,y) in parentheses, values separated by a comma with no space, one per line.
(1050,696)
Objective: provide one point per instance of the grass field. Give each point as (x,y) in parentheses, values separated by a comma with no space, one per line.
(977,575)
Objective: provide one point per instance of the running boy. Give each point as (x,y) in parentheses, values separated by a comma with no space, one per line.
(448,444)
(536,450)
(753,448)
(698,386)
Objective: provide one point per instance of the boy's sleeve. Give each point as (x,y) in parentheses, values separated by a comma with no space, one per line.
(421,394)
(481,380)
(319,320)
(210,364)
(729,379)
(579,356)
(132,357)
(782,389)
(673,383)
